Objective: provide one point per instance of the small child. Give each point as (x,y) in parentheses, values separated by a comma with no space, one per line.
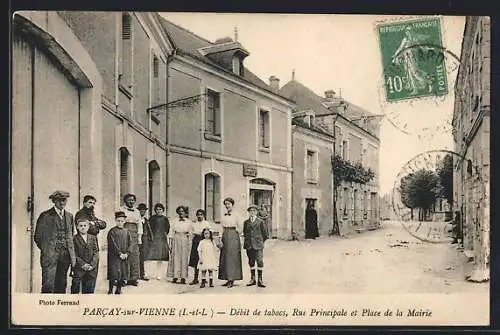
(208,259)
(119,249)
(87,259)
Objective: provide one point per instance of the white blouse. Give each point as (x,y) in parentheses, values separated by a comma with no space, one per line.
(198,226)
(232,220)
(178,226)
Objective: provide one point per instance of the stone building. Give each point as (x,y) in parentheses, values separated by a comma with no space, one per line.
(230,134)
(82,85)
(471,134)
(356,134)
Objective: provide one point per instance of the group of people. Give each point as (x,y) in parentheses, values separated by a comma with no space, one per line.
(207,247)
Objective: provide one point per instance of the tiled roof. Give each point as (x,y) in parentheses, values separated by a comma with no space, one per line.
(306,99)
(188,42)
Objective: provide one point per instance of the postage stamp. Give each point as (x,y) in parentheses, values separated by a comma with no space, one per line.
(412,59)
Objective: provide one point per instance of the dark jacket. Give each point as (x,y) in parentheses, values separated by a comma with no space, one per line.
(255,234)
(86,253)
(46,235)
(95,224)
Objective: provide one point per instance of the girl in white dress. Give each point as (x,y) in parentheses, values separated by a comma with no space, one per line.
(207,252)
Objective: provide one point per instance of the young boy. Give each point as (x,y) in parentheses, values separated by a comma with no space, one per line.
(87,259)
(255,234)
(119,248)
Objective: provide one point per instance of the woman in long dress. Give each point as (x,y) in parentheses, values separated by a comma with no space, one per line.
(312,230)
(180,231)
(160,227)
(198,225)
(230,257)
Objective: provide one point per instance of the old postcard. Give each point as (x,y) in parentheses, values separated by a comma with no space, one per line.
(249,169)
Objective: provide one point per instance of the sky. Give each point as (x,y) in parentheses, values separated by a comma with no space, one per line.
(341,52)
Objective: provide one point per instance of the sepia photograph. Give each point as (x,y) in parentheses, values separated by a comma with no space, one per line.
(230,168)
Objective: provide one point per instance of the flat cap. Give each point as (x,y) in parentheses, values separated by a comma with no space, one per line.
(252,207)
(120,214)
(142,206)
(59,195)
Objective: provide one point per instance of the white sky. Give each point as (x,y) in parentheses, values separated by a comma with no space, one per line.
(338,52)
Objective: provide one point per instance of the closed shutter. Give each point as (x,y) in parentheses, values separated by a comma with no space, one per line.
(217,114)
(209,196)
(217,199)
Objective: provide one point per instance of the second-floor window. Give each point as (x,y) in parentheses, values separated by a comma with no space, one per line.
(345,150)
(264,132)
(311,166)
(212,114)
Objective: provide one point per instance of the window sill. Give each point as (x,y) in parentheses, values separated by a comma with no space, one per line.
(125,90)
(155,120)
(212,137)
(312,181)
(267,150)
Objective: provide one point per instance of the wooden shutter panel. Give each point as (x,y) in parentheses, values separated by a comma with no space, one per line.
(209,196)
(267,132)
(126,27)
(217,115)
(216,198)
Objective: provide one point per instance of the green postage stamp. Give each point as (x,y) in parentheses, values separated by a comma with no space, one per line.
(413,59)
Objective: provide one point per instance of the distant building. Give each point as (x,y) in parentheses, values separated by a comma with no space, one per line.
(232,137)
(356,140)
(471,134)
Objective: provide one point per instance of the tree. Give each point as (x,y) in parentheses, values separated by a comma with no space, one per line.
(445,174)
(418,190)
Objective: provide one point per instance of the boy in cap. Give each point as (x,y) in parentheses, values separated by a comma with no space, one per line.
(255,234)
(119,250)
(54,237)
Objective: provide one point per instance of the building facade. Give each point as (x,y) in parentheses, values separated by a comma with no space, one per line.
(471,134)
(229,135)
(82,86)
(356,140)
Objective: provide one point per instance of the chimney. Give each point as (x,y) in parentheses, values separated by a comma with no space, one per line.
(330,94)
(274,82)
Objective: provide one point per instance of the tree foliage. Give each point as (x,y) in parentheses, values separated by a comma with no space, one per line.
(445,174)
(419,189)
(344,170)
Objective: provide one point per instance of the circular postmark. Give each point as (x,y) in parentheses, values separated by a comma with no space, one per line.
(422,198)
(418,74)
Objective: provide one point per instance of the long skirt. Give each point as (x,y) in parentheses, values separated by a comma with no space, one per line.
(179,257)
(230,256)
(134,257)
(194,257)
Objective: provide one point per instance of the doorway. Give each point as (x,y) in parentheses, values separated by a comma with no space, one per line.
(311,218)
(154,182)
(45,150)
(261,195)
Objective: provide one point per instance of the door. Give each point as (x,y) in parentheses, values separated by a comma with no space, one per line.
(45,148)
(263,199)
(311,227)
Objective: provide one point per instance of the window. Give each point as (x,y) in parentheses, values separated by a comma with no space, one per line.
(126,52)
(124,171)
(212,196)
(345,150)
(264,133)
(311,166)
(156,66)
(212,114)
(237,66)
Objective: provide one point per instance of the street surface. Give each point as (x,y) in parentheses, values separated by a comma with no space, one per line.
(387,260)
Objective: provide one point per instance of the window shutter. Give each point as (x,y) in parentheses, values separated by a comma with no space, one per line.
(217,114)
(216,198)
(156,66)
(209,196)
(266,130)
(126,27)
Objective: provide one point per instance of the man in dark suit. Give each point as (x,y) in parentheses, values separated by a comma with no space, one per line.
(87,259)
(54,237)
(255,234)
(87,213)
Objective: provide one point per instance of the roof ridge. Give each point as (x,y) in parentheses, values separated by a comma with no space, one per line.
(187,30)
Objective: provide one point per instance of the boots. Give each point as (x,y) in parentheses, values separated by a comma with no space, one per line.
(195,280)
(203,282)
(119,287)
(211,282)
(260,283)
(110,290)
(252,279)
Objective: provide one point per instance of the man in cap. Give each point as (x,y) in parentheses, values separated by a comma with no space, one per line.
(134,226)
(87,214)
(54,237)
(255,234)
